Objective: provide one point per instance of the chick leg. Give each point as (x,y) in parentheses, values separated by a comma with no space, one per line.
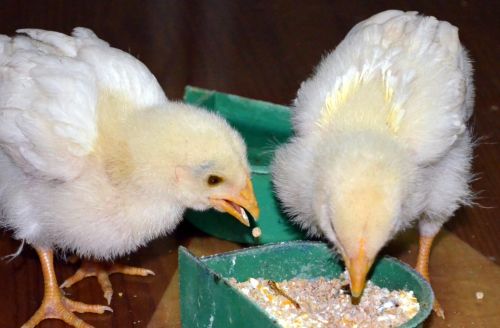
(54,304)
(424,251)
(102,273)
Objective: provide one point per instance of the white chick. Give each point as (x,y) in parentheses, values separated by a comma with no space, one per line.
(381,139)
(95,160)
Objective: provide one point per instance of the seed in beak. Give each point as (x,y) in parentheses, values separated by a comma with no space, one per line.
(256,232)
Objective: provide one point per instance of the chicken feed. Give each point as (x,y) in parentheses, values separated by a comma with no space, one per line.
(322,303)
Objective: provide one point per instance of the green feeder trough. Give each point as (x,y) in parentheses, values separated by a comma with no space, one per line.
(264,126)
(208,300)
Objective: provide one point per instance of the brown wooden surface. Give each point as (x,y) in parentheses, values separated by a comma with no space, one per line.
(263,50)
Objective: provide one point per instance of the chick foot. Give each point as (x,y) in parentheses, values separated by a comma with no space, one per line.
(424,251)
(54,304)
(102,273)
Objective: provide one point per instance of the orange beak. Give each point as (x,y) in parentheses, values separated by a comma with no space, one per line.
(236,205)
(358,268)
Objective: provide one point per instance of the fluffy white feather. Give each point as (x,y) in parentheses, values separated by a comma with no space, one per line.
(94,158)
(381,137)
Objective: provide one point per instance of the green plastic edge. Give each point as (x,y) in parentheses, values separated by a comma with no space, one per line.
(214,287)
(204,264)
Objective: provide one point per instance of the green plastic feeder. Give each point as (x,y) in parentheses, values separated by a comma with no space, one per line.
(263,126)
(208,299)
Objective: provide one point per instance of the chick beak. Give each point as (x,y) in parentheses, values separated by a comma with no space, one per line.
(236,205)
(358,267)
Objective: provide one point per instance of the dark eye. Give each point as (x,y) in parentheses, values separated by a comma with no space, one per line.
(214,180)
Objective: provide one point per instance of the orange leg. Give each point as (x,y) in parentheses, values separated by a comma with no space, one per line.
(54,304)
(102,272)
(424,251)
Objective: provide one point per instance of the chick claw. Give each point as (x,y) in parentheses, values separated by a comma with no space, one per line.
(102,273)
(56,306)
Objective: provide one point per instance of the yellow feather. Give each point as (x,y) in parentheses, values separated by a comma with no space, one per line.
(361,97)
(113,110)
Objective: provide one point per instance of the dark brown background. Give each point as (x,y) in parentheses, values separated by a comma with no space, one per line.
(257,49)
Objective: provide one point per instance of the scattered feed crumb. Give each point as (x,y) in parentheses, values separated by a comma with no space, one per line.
(322,303)
(479,295)
(256,232)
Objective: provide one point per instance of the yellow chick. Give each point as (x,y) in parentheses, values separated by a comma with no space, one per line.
(95,160)
(381,139)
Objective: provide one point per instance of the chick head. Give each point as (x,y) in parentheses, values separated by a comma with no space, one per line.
(360,185)
(193,156)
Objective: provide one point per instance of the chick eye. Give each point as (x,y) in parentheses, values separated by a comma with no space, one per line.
(214,180)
